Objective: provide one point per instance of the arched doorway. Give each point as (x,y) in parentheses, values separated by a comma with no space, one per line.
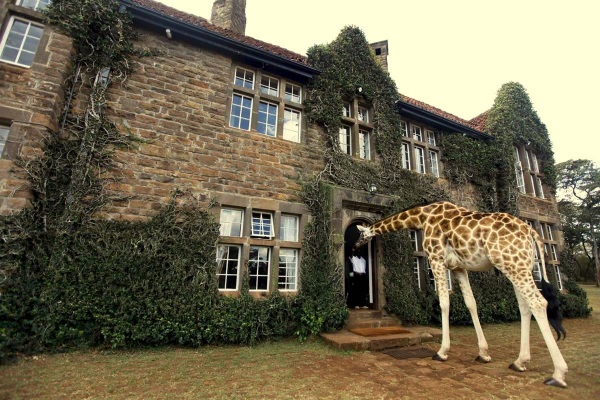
(358,284)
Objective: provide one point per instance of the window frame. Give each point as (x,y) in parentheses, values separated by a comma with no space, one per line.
(295,229)
(4,133)
(420,166)
(46,3)
(260,233)
(285,286)
(416,136)
(7,32)
(406,162)
(258,276)
(289,96)
(267,115)
(434,171)
(243,79)
(347,143)
(230,210)
(285,131)
(220,259)
(268,89)
(364,144)
(242,107)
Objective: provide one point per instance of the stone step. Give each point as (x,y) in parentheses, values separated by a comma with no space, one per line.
(372,323)
(362,313)
(346,340)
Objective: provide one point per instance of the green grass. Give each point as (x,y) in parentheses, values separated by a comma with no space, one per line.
(287,369)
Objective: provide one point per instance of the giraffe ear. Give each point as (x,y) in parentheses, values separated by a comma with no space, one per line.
(362,228)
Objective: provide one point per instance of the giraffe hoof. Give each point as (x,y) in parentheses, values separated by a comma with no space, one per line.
(437,357)
(554,382)
(514,367)
(483,360)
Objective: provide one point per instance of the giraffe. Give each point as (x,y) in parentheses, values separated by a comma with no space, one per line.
(461,240)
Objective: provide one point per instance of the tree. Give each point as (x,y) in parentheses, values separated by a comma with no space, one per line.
(581,180)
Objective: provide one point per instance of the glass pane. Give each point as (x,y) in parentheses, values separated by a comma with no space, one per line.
(9,54)
(19,27)
(26,58)
(31,44)
(35,31)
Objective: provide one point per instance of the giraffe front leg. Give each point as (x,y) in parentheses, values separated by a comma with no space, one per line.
(465,287)
(439,275)
(524,353)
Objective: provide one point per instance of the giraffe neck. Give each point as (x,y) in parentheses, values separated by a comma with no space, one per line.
(410,219)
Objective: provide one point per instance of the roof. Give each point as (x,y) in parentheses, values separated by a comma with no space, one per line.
(438,111)
(203,23)
(480,120)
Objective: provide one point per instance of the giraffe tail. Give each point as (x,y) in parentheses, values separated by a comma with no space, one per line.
(553,310)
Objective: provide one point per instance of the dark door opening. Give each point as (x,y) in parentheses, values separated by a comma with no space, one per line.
(358,270)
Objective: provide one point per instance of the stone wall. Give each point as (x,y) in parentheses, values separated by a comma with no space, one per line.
(31,104)
(177,102)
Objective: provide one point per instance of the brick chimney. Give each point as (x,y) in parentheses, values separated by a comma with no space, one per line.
(230,14)
(381,53)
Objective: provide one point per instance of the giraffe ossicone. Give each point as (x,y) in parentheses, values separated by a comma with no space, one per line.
(461,240)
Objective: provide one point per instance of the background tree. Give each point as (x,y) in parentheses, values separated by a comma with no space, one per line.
(581,208)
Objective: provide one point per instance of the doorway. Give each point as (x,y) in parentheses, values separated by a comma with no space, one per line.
(358,274)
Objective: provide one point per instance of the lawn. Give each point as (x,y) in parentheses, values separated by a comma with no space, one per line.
(288,369)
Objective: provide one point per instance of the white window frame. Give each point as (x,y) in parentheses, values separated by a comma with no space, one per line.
(430,137)
(404,129)
(364,144)
(519,172)
(420,159)
(228,221)
(292,120)
(239,116)
(549,231)
(345,137)
(4,132)
(536,167)
(417,269)
(38,5)
(290,93)
(288,270)
(270,129)
(528,160)
(257,275)
(347,110)
(532,183)
(433,163)
(245,82)
(262,226)
(269,85)
(289,227)
(537,270)
(406,156)
(363,114)
(417,132)
(540,188)
(224,250)
(554,252)
(558,277)
(20,50)
(414,239)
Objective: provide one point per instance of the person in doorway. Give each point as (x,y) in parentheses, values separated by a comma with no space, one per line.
(360,282)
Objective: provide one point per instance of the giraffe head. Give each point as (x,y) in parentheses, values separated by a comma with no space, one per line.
(366,234)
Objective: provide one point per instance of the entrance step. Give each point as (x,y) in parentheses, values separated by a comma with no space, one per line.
(364,318)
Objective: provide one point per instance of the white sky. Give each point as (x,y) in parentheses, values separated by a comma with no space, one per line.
(456,54)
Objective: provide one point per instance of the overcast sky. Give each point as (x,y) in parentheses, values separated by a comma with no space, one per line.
(456,54)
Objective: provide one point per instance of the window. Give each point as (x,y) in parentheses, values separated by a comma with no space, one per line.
(430,138)
(293,93)
(420,159)
(363,114)
(554,252)
(291,125)
(558,277)
(3,137)
(528,160)
(269,85)
(289,228)
(244,78)
(432,278)
(288,269)
(536,167)
(228,266)
(37,5)
(259,265)
(433,164)
(537,271)
(417,133)
(102,77)
(414,240)
(267,119)
(20,42)
(540,188)
(231,222)
(417,269)
(262,224)
(364,144)
(241,111)
(345,140)
(406,155)
(532,183)
(549,230)
(403,129)
(519,172)
(347,110)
